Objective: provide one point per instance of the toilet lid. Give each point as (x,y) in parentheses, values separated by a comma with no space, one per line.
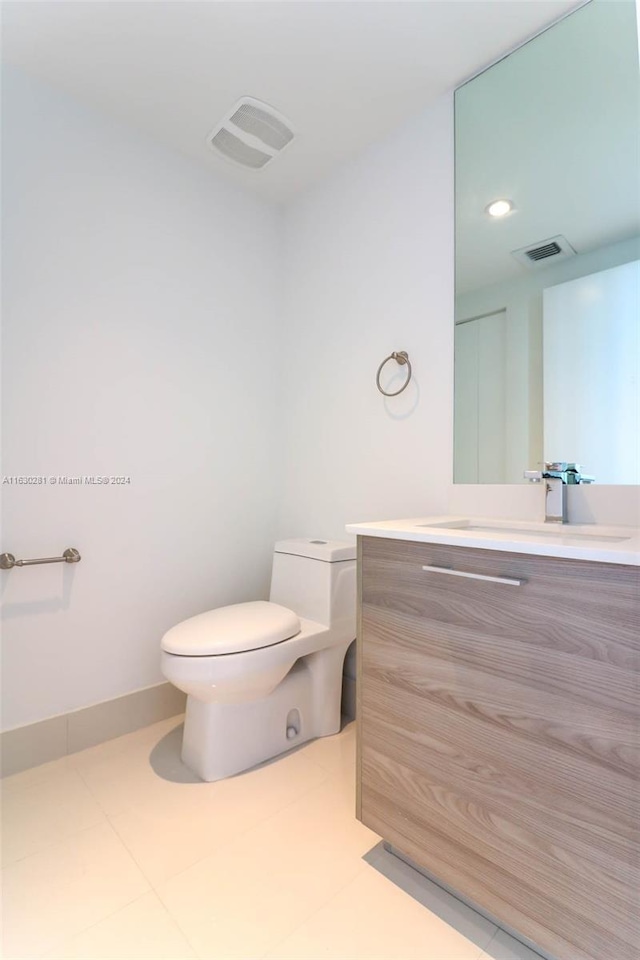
(233,629)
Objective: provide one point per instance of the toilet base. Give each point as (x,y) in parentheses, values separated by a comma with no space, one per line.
(221,739)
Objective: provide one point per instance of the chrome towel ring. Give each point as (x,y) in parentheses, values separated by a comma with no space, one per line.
(401,357)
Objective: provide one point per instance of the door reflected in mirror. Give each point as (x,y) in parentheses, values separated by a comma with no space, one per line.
(547,337)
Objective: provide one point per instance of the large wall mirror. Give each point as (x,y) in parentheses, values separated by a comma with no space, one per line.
(547,313)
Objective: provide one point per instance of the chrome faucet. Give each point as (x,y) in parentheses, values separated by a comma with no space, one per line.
(557,476)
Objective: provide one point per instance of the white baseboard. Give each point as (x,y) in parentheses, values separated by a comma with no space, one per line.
(56,737)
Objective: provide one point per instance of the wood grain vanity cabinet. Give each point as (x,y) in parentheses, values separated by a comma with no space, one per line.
(498,735)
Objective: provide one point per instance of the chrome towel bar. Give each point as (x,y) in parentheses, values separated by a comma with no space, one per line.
(70,555)
(509,581)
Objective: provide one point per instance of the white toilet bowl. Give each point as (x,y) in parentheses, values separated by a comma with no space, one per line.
(264,676)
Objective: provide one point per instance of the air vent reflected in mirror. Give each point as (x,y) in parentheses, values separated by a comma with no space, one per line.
(544,251)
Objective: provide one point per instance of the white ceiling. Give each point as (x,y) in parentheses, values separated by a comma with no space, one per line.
(344,73)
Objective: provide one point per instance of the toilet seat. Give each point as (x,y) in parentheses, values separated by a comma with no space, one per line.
(237,628)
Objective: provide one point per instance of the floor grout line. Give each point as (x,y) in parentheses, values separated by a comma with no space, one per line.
(175,921)
(241,834)
(46,845)
(332,896)
(90,926)
(227,842)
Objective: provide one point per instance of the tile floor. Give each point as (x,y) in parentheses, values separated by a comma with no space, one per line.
(119,852)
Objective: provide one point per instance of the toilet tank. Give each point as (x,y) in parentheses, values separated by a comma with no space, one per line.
(317,580)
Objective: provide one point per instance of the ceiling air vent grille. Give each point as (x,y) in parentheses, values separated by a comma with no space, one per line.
(251,134)
(267,128)
(544,252)
(236,149)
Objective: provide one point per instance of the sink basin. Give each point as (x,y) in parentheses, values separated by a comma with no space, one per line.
(584,541)
(526,529)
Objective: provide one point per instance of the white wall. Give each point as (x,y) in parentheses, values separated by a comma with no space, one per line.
(591,335)
(369,270)
(140,340)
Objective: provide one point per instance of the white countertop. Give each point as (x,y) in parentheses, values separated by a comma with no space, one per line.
(571,541)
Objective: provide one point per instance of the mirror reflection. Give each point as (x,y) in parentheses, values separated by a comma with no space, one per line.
(547,339)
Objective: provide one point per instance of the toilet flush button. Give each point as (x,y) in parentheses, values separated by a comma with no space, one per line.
(291,733)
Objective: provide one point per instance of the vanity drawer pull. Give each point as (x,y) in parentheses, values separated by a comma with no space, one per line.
(509,581)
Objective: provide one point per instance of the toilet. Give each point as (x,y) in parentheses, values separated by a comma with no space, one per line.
(264,676)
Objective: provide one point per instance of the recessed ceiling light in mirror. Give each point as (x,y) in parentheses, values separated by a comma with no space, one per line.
(499,208)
